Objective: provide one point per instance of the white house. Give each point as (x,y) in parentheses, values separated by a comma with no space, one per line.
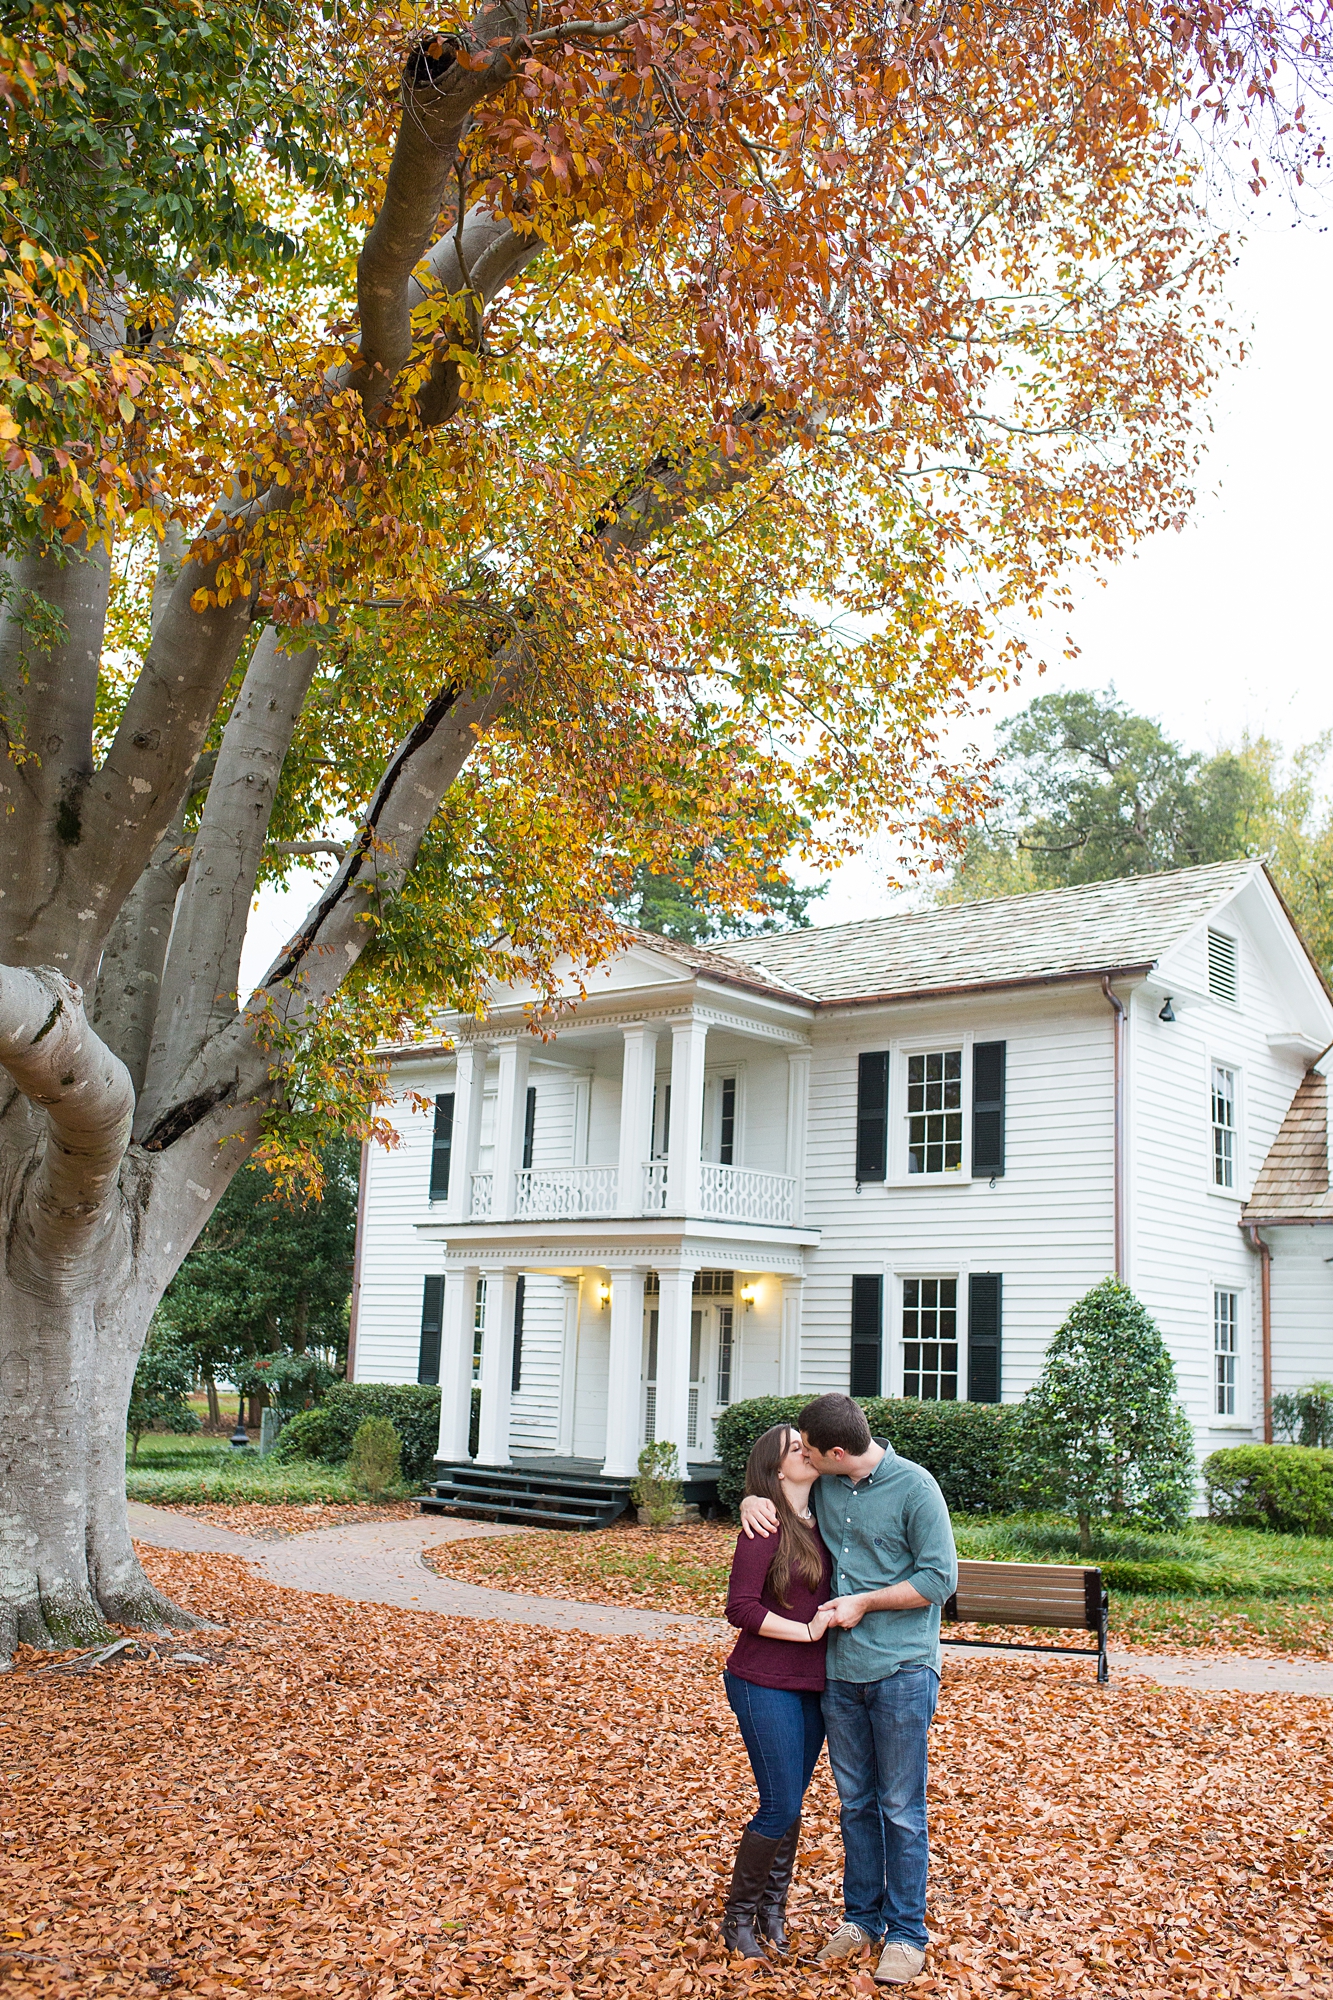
(884,1156)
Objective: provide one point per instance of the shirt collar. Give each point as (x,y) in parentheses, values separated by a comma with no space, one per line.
(870,1477)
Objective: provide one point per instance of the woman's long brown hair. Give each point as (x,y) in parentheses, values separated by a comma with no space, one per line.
(798,1551)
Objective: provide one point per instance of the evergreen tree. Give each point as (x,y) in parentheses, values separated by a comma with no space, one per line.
(263,1296)
(1101,1435)
(160,1397)
(676,909)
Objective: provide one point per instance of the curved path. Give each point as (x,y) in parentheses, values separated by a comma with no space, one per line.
(379,1562)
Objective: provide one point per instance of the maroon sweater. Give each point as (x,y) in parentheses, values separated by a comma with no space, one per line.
(774,1663)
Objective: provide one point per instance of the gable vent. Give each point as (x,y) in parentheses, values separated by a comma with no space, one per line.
(1222,966)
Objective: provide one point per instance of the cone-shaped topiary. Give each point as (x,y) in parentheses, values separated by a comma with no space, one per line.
(1101,1434)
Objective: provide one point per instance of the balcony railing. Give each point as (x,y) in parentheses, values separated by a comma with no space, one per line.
(744,1194)
(553,1194)
(550,1193)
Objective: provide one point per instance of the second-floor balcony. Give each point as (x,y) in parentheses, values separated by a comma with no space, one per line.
(558,1194)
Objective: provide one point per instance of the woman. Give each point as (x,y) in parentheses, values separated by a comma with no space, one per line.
(774,1679)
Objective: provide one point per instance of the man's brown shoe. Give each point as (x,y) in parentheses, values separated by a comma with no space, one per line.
(898,1963)
(848,1941)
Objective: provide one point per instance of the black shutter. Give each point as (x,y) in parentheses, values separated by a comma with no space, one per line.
(529,1125)
(432,1321)
(985,1305)
(442,1146)
(987,1110)
(867,1335)
(516,1376)
(872,1117)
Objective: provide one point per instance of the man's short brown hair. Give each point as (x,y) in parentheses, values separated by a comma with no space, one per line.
(833,1421)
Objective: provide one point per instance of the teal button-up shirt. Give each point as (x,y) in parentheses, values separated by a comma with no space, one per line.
(892,1527)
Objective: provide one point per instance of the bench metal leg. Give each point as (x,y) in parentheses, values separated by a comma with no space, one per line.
(1103,1664)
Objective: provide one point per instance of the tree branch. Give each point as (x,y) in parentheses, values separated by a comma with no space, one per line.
(48,689)
(438,100)
(199,979)
(85,1093)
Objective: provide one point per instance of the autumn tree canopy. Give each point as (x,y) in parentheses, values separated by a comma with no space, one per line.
(497,453)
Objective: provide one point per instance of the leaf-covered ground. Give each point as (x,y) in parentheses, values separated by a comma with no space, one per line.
(387,1805)
(686,1570)
(274,1521)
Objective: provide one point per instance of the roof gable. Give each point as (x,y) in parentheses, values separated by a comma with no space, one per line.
(1048,935)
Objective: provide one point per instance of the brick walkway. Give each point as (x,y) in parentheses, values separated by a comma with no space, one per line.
(379,1562)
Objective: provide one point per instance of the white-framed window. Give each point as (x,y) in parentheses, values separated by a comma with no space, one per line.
(935,1111)
(1226,1351)
(930,1339)
(725,1353)
(478,1327)
(723,1102)
(1223,1090)
(1223,967)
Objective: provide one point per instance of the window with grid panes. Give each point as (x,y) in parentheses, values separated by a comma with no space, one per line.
(935,1113)
(725,1353)
(1226,1351)
(478,1327)
(1224,1126)
(930,1339)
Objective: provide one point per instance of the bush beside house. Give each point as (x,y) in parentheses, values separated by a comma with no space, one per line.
(964,1445)
(1287,1487)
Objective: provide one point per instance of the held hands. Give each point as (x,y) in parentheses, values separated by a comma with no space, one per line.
(758,1516)
(820,1623)
(844,1612)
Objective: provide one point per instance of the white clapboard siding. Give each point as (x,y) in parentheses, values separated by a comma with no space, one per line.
(1046,1226)
(1302,1307)
(395,1259)
(1186,1238)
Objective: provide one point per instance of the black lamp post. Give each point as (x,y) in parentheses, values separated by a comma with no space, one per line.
(239,1438)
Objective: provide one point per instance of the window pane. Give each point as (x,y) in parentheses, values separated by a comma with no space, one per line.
(934,1113)
(1226,1351)
(724,1348)
(930,1338)
(1224,1126)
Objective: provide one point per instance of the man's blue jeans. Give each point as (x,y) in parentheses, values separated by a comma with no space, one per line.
(784,1734)
(877,1750)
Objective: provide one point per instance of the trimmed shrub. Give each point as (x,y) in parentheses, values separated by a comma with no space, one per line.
(964,1446)
(375,1458)
(1306,1416)
(327,1431)
(1287,1487)
(1101,1435)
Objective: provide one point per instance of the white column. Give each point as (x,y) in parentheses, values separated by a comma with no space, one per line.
(636,1115)
(624,1366)
(469,1085)
(569,1364)
(510,1106)
(497,1365)
(460,1304)
(673,1353)
(688,1040)
(789,1344)
(798,1114)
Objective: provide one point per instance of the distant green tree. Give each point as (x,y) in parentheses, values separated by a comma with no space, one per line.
(1101,1435)
(674,909)
(263,1296)
(159,1399)
(1089,791)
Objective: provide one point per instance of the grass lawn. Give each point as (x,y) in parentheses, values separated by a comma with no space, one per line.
(1205,1586)
(176,1469)
(367,1803)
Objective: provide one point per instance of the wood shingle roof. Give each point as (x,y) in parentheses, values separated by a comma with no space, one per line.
(1009,940)
(1293,1183)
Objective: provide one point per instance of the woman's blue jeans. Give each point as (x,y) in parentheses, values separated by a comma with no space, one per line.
(783,1730)
(877,1750)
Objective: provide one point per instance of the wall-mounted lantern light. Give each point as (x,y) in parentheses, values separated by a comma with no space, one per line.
(749,1293)
(1168,1012)
(604,1295)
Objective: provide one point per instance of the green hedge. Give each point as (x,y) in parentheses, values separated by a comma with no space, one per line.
(326,1432)
(1288,1487)
(963,1444)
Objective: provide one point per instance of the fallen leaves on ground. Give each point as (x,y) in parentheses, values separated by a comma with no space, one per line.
(275,1523)
(686,1569)
(365,1802)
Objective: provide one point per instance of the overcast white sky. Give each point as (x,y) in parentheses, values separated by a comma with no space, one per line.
(1223,628)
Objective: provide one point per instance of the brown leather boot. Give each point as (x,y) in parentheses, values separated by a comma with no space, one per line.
(749,1878)
(772,1920)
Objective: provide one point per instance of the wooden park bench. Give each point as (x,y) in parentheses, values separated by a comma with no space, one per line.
(1060,1596)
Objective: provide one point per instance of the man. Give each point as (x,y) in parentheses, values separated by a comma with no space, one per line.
(894,1564)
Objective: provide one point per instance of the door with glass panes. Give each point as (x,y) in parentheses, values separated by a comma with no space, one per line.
(712,1357)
